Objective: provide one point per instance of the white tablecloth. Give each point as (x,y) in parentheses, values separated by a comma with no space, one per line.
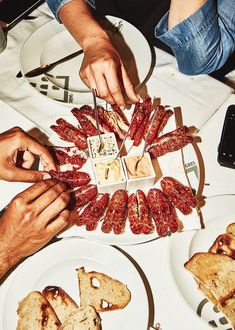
(198,97)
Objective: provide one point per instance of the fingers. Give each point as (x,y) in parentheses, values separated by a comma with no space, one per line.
(105,72)
(110,88)
(54,209)
(41,151)
(51,195)
(18,174)
(28,160)
(103,90)
(58,224)
(19,140)
(70,222)
(129,88)
(114,86)
(36,190)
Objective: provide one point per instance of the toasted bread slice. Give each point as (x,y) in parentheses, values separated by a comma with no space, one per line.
(228,307)
(60,301)
(35,313)
(225,243)
(83,319)
(101,291)
(207,293)
(231,229)
(216,272)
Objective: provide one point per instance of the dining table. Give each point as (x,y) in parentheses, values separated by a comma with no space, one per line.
(202,101)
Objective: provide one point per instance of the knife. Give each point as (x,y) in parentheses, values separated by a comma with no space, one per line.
(47,67)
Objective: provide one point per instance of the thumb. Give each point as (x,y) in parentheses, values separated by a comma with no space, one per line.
(25,175)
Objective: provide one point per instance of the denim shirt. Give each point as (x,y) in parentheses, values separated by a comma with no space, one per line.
(201,43)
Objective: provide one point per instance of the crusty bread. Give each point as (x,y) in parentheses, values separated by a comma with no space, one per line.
(207,292)
(225,243)
(215,274)
(60,301)
(35,313)
(231,229)
(83,319)
(101,291)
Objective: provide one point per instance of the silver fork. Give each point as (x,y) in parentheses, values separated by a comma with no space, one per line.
(145,144)
(124,139)
(101,146)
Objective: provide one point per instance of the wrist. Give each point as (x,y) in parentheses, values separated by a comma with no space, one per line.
(8,256)
(92,41)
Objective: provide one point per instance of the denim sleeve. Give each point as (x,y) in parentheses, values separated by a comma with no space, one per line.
(203,42)
(55,5)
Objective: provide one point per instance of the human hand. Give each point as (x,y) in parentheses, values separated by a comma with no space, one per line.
(14,141)
(32,219)
(102,69)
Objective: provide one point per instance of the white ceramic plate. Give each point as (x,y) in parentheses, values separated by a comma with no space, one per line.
(170,164)
(56,265)
(218,212)
(51,42)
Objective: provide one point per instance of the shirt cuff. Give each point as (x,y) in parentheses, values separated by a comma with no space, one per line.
(189,29)
(56,5)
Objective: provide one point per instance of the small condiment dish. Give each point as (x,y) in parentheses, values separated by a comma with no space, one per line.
(111,177)
(144,177)
(110,147)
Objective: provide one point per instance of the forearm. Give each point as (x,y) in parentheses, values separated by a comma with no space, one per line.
(7,258)
(181,9)
(78,19)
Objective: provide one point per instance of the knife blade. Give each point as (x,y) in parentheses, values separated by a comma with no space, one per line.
(47,67)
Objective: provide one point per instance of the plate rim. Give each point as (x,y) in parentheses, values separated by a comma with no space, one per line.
(188,235)
(81,96)
(60,243)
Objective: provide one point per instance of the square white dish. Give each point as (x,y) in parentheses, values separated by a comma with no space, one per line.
(110,146)
(109,187)
(144,182)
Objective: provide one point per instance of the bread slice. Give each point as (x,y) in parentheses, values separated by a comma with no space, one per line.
(231,229)
(215,274)
(225,243)
(228,307)
(101,291)
(83,319)
(35,313)
(60,301)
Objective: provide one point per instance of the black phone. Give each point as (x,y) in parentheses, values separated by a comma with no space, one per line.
(12,11)
(226,149)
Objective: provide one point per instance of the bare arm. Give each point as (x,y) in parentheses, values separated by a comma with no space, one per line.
(182,9)
(79,21)
(102,67)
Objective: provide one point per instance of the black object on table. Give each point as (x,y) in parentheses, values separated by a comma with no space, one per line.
(12,11)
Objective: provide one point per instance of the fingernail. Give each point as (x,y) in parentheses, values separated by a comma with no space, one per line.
(46,176)
(122,107)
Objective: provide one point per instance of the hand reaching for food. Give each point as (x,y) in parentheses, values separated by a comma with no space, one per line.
(31,220)
(103,70)
(18,151)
